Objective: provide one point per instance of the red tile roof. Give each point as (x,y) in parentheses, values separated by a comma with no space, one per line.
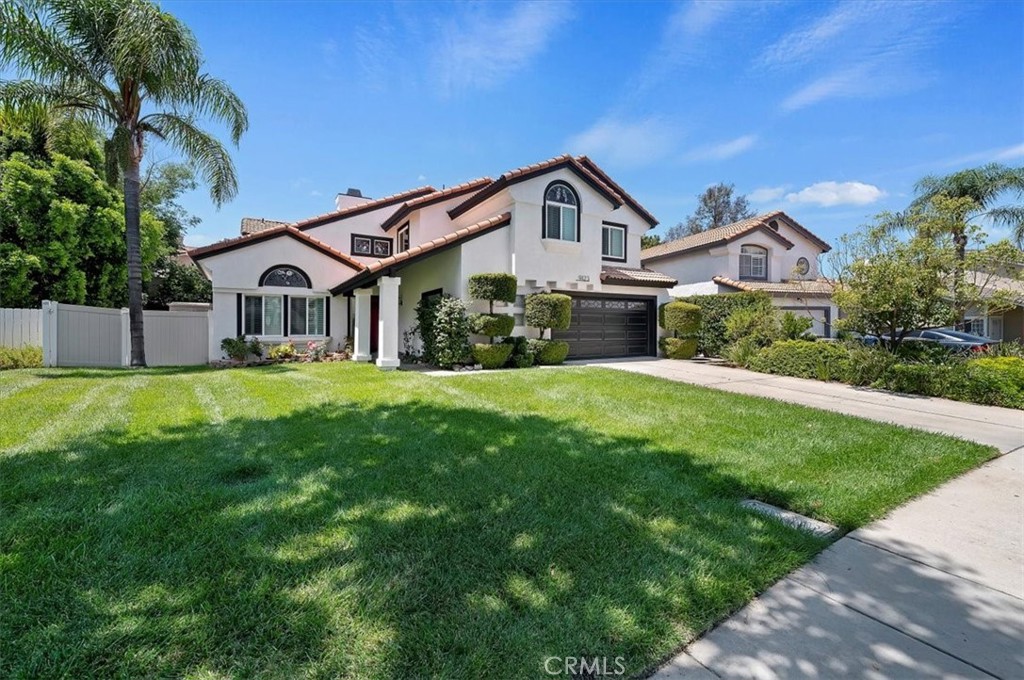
(361,208)
(630,276)
(429,199)
(626,198)
(422,250)
(267,234)
(811,287)
(731,232)
(250,225)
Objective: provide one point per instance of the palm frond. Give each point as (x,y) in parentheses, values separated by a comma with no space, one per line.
(152,47)
(203,150)
(213,98)
(1011,216)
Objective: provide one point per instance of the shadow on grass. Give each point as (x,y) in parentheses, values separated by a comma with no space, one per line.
(412,540)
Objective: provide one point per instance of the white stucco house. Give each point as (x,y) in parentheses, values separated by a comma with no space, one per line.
(771,252)
(561,225)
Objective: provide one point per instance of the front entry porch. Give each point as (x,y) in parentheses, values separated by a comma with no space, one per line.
(375,323)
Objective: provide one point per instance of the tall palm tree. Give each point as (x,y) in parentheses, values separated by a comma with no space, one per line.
(134,70)
(986,186)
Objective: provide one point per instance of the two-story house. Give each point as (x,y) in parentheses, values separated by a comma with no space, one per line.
(562,225)
(771,253)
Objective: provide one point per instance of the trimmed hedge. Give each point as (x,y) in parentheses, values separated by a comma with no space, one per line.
(997,381)
(549,352)
(679,348)
(804,359)
(20,357)
(548,310)
(682,319)
(492,356)
(492,287)
(715,309)
(492,325)
(522,355)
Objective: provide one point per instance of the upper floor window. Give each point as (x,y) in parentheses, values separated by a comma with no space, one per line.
(286,276)
(370,246)
(613,241)
(753,262)
(561,212)
(402,238)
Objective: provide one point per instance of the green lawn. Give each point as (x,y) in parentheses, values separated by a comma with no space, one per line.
(335,521)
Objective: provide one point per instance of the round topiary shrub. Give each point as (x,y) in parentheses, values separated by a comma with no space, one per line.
(522,355)
(493,287)
(682,319)
(548,311)
(679,348)
(492,325)
(492,356)
(549,352)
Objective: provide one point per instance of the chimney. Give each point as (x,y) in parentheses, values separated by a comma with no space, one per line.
(350,198)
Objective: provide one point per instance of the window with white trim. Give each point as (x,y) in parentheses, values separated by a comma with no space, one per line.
(263,315)
(306,316)
(402,238)
(613,242)
(753,262)
(561,216)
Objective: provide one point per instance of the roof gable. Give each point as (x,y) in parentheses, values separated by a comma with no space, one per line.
(410,206)
(362,208)
(286,231)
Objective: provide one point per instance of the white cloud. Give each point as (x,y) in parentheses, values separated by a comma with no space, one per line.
(421,178)
(724,150)
(766,194)
(828,194)
(626,143)
(1007,153)
(477,50)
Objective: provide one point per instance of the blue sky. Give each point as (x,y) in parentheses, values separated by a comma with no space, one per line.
(830,111)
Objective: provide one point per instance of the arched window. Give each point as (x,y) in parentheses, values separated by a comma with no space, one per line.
(561,212)
(285,276)
(753,262)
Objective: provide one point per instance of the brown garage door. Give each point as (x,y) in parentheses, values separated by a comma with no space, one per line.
(610,327)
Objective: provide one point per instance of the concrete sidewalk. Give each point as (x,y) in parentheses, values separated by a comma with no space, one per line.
(934,590)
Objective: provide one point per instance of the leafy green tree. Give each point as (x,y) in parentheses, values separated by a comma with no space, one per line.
(649,241)
(134,70)
(61,225)
(176,282)
(162,186)
(716,207)
(985,187)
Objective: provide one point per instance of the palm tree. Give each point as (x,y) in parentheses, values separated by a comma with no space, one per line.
(985,186)
(133,70)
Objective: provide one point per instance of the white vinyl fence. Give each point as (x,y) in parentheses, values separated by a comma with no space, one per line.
(21,328)
(76,335)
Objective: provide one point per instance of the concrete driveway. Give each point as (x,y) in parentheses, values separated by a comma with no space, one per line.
(934,590)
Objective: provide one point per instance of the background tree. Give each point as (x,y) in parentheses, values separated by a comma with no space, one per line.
(716,207)
(649,241)
(61,225)
(134,70)
(985,187)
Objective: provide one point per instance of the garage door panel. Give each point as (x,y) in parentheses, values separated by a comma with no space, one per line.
(608,327)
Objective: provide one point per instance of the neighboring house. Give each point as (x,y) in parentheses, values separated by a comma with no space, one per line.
(1005,325)
(771,252)
(562,225)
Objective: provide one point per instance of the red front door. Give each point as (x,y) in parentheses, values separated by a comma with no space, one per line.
(374,318)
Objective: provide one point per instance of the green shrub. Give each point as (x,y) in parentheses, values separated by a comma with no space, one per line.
(924,352)
(679,348)
(803,359)
(682,319)
(492,356)
(549,352)
(426,312)
(715,309)
(548,310)
(997,381)
(20,357)
(1010,348)
(867,364)
(493,287)
(239,348)
(795,327)
(740,352)
(285,350)
(492,325)
(521,355)
(449,332)
(758,324)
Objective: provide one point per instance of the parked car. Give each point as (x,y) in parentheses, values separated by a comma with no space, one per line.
(956,341)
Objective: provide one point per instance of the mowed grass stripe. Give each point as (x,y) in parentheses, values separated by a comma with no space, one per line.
(12,382)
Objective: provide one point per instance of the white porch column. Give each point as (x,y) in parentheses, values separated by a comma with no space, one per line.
(387,335)
(361,345)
